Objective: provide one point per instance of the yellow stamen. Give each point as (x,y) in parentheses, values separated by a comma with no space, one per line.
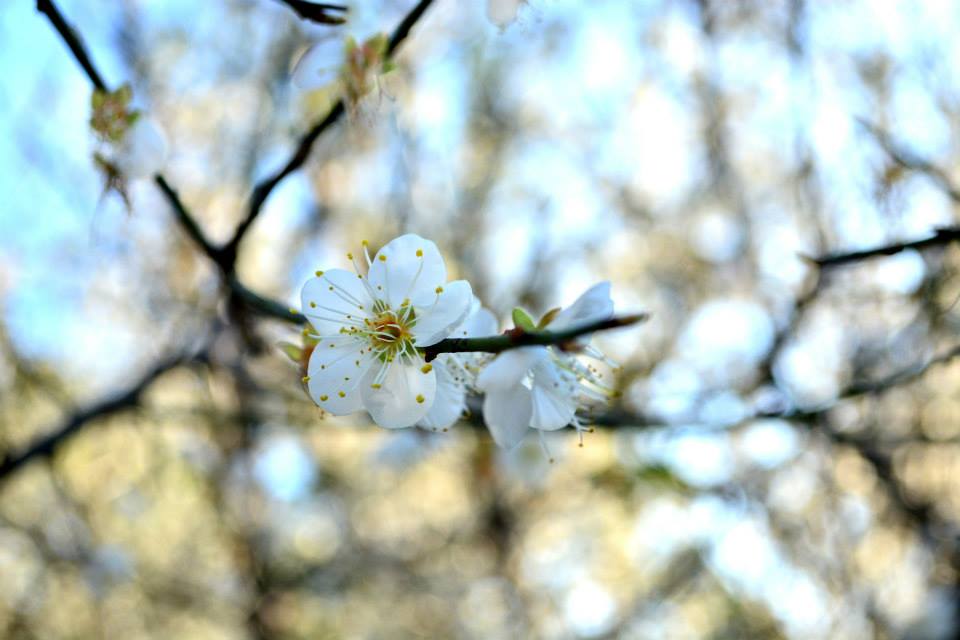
(341,394)
(323,398)
(439,289)
(419,253)
(427,368)
(305,379)
(382,258)
(420,398)
(319,273)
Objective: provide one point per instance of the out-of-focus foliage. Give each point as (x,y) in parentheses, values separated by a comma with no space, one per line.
(690,152)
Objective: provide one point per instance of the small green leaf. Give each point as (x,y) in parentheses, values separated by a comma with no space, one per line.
(522,320)
(548,317)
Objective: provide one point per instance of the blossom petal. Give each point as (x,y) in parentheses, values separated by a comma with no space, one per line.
(481,323)
(554,399)
(408,267)
(436,322)
(336,368)
(503,12)
(509,368)
(143,150)
(328,299)
(450,401)
(319,65)
(507,414)
(404,397)
(593,305)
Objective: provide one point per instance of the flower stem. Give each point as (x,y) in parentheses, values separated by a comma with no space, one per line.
(515,338)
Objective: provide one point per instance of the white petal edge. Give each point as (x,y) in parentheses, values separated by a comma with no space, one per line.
(398,273)
(143,151)
(436,322)
(593,305)
(507,415)
(335,375)
(328,299)
(554,402)
(319,65)
(509,368)
(450,401)
(404,396)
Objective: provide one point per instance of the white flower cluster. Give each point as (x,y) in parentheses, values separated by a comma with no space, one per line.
(368,328)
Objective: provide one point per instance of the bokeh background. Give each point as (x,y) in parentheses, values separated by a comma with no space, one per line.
(783,462)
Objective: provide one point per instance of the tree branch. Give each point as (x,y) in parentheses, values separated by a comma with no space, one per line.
(223,259)
(72,39)
(322,12)
(941,236)
(516,338)
(48,445)
(263,189)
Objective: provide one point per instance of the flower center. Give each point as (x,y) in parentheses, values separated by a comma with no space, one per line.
(389,331)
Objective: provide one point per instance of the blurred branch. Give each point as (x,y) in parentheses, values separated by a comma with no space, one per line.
(218,255)
(908,159)
(263,189)
(516,338)
(941,236)
(48,445)
(187,221)
(72,39)
(622,418)
(322,12)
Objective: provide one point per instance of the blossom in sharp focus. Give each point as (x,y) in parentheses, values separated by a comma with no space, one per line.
(370,327)
(457,372)
(543,387)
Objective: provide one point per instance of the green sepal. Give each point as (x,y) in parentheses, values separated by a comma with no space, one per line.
(292,351)
(548,317)
(124,94)
(522,320)
(97,98)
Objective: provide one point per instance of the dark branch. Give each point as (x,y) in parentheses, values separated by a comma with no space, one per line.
(48,445)
(941,237)
(322,12)
(218,255)
(908,159)
(187,221)
(72,40)
(263,189)
(519,338)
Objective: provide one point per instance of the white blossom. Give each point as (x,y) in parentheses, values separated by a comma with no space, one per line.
(371,326)
(543,387)
(457,372)
(142,152)
(320,64)
(502,13)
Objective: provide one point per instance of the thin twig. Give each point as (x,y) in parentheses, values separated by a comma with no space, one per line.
(518,338)
(221,258)
(48,445)
(72,39)
(942,236)
(322,12)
